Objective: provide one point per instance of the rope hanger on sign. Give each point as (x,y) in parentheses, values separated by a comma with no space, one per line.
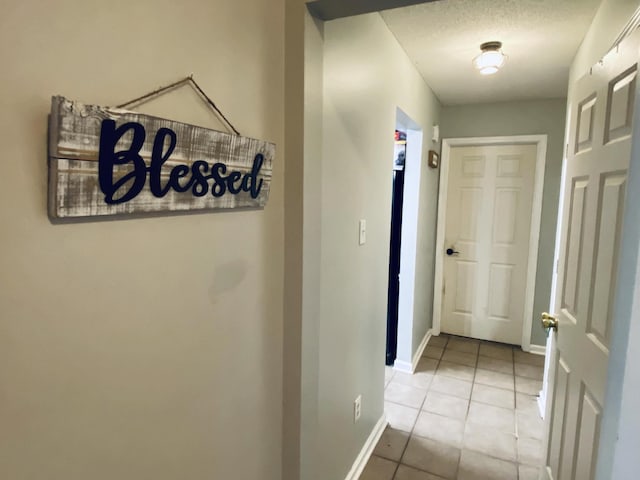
(179,83)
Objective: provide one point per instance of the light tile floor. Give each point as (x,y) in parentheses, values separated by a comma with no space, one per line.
(468,413)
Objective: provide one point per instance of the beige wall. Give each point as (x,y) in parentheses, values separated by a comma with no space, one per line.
(151,347)
(608,22)
(366,76)
(426,239)
(303,73)
(417,259)
(523,118)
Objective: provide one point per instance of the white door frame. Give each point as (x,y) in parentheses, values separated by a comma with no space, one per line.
(536,211)
(406,358)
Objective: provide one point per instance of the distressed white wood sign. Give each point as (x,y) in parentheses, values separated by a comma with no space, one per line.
(106,161)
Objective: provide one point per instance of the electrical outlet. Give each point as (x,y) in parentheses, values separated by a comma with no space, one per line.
(357,408)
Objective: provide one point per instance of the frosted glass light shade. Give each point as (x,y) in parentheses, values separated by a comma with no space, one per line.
(491,58)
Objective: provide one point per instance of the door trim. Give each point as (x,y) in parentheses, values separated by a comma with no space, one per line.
(536,211)
(414,170)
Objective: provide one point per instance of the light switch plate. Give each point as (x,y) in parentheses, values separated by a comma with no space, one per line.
(363,232)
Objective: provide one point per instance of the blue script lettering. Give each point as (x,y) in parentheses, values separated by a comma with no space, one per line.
(182,178)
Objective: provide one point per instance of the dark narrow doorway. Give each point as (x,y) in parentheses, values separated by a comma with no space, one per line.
(394,245)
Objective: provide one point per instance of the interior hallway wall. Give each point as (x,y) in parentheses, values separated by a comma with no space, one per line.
(149,347)
(367,75)
(608,22)
(417,263)
(523,118)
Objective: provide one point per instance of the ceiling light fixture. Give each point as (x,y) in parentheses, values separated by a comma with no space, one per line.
(491,58)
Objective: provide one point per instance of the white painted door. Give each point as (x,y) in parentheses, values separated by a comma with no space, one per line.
(598,155)
(488,220)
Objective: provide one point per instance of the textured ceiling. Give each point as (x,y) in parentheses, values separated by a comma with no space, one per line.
(332,9)
(540,38)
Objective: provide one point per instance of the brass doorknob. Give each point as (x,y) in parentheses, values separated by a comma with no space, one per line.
(549,321)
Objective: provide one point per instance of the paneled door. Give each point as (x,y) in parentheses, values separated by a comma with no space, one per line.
(598,154)
(488,222)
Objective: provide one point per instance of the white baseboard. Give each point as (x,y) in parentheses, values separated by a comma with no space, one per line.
(404,367)
(423,344)
(407,367)
(367,449)
(538,349)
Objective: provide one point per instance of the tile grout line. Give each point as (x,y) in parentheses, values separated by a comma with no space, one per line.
(515,463)
(466,417)
(412,435)
(395,472)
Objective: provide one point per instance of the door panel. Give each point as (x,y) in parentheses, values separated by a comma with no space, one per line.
(465,287)
(561,388)
(620,105)
(489,200)
(470,199)
(500,279)
(608,230)
(594,186)
(589,426)
(504,216)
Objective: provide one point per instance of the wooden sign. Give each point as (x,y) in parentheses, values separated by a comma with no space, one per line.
(106,161)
